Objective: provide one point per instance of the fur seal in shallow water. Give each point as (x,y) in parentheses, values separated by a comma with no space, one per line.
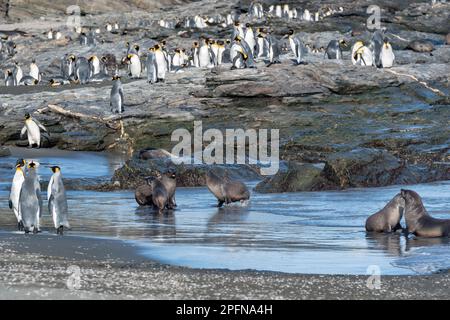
(169,180)
(419,222)
(160,196)
(143,194)
(388,218)
(225,189)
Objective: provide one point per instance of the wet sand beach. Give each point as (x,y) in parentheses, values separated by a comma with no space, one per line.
(43,267)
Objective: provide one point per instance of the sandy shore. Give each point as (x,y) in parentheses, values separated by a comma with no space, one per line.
(47,266)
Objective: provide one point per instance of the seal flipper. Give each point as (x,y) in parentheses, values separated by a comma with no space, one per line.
(397,227)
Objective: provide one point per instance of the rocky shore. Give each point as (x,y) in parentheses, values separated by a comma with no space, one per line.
(341,126)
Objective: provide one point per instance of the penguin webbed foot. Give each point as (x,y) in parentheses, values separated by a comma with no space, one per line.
(20,226)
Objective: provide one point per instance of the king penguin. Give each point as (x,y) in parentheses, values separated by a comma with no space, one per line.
(376,45)
(17,73)
(67,66)
(161,63)
(83,70)
(34,70)
(194,54)
(30,201)
(134,65)
(33,129)
(334,50)
(57,201)
(9,79)
(297,47)
(116,97)
(152,68)
(94,61)
(204,54)
(387,56)
(358,44)
(364,57)
(250,38)
(19,178)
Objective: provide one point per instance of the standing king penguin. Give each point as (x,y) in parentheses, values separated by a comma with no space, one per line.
(387,56)
(161,63)
(116,97)
(33,129)
(19,178)
(334,50)
(30,201)
(297,47)
(57,201)
(152,68)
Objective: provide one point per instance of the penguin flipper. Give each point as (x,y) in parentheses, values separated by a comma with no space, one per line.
(40,125)
(23,131)
(50,203)
(10,204)
(121,95)
(38,194)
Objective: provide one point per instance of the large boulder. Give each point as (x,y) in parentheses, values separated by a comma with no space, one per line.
(296,177)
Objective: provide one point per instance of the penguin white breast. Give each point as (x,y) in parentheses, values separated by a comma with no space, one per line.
(135,66)
(33,131)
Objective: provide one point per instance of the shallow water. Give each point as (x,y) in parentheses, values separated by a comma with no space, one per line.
(305,232)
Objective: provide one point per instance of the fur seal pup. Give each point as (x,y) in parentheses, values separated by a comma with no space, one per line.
(143,194)
(160,196)
(225,189)
(169,180)
(418,220)
(388,218)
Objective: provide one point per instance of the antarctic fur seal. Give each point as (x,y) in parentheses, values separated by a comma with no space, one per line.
(418,220)
(388,218)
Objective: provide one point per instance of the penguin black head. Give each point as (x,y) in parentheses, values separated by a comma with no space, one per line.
(91,58)
(290,32)
(238,39)
(33,61)
(20,163)
(129,56)
(115,77)
(247,25)
(237,24)
(104,59)
(55,169)
(156,47)
(228,41)
(136,47)
(32,165)
(177,50)
(195,44)
(27,116)
(9,72)
(35,81)
(127,44)
(72,57)
(220,42)
(343,42)
(386,40)
(163,42)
